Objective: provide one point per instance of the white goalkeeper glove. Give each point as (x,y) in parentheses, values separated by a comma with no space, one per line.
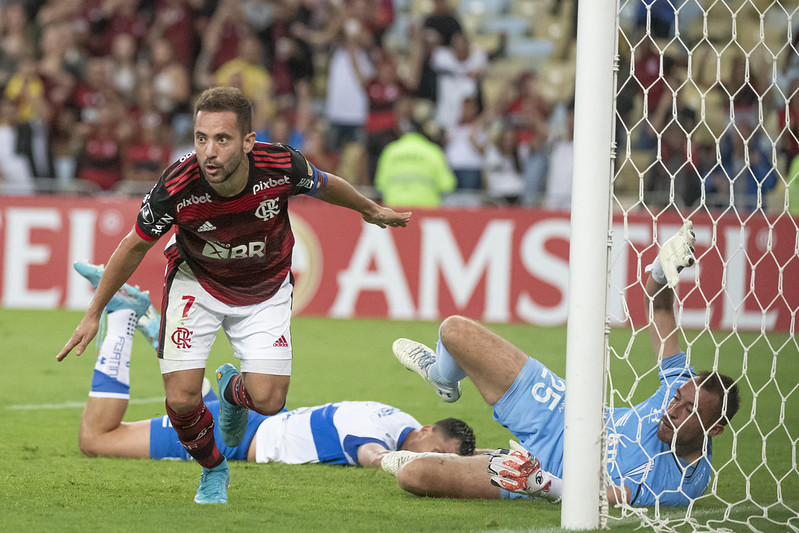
(675,254)
(516,470)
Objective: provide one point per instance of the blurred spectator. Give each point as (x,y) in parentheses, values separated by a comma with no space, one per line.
(745,174)
(172,86)
(100,159)
(788,122)
(176,21)
(147,155)
(383,91)
(289,59)
(94,89)
(465,145)
(459,68)
(658,16)
(247,73)
(114,17)
(793,187)
(441,24)
(413,172)
(222,34)
(123,66)
(290,125)
(16,176)
(503,167)
(26,90)
(529,113)
(560,168)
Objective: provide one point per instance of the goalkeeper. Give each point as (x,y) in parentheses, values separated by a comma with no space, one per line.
(341,433)
(660,450)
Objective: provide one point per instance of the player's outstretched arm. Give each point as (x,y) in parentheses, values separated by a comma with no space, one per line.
(370,454)
(339,192)
(675,254)
(123,262)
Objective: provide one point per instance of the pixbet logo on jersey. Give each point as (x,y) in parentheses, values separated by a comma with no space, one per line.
(193,200)
(263,185)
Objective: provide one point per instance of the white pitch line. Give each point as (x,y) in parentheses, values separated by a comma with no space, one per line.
(72,405)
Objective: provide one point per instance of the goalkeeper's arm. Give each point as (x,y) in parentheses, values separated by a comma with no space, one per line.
(675,254)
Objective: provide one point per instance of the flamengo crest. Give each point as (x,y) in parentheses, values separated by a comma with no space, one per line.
(268,209)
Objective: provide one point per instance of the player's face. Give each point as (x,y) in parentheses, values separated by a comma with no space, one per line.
(688,418)
(431,440)
(222,150)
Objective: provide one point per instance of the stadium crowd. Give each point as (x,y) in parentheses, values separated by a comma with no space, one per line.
(97,95)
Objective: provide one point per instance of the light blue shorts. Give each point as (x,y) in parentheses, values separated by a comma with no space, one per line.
(532,409)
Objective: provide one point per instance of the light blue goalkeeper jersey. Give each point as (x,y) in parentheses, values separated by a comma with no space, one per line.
(641,461)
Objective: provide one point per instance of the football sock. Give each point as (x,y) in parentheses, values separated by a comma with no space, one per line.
(111,377)
(445,370)
(196,433)
(236,393)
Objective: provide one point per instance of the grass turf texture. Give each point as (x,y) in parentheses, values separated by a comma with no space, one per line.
(48,484)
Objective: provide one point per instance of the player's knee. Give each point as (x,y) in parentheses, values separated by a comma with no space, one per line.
(270,403)
(454,330)
(88,444)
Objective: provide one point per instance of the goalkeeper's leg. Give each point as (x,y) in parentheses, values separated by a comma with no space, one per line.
(490,361)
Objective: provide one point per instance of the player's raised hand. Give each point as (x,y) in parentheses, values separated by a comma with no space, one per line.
(82,336)
(677,253)
(386,216)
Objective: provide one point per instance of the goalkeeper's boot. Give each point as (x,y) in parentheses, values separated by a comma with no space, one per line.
(232,417)
(419,358)
(393,461)
(127,297)
(213,484)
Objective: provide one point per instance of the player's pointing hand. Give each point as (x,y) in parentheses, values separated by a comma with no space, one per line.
(82,336)
(386,216)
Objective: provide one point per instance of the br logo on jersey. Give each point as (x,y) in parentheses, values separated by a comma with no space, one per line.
(219,250)
(182,338)
(268,209)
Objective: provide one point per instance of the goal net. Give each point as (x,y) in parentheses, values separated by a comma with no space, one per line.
(707,129)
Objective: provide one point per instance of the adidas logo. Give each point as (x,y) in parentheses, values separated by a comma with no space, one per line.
(281,342)
(207,226)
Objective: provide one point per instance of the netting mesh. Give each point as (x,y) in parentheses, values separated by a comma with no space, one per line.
(707,129)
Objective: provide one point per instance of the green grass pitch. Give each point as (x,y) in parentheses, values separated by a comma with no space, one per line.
(48,485)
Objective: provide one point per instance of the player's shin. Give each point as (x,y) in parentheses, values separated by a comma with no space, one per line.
(111,378)
(196,433)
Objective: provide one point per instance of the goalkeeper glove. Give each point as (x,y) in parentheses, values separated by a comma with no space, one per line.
(516,470)
(675,254)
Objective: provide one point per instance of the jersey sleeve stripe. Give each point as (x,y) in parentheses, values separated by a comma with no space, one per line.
(178,182)
(144,236)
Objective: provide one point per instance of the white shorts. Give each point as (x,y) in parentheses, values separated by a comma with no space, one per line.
(260,334)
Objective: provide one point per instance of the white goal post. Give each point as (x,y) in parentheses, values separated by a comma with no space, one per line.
(707,130)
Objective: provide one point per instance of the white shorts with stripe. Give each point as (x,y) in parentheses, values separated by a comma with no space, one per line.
(260,334)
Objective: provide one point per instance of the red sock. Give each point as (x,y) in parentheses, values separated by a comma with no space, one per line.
(196,433)
(239,396)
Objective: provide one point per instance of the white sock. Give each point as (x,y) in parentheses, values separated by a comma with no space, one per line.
(111,378)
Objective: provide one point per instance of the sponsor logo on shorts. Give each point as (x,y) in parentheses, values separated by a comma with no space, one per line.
(268,184)
(281,342)
(182,338)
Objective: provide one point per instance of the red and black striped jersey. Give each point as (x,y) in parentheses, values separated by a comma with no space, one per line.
(238,248)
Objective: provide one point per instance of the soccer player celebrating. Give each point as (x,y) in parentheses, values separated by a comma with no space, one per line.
(340,433)
(229,267)
(660,449)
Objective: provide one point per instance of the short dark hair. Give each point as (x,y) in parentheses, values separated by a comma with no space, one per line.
(453,428)
(721,387)
(220,99)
